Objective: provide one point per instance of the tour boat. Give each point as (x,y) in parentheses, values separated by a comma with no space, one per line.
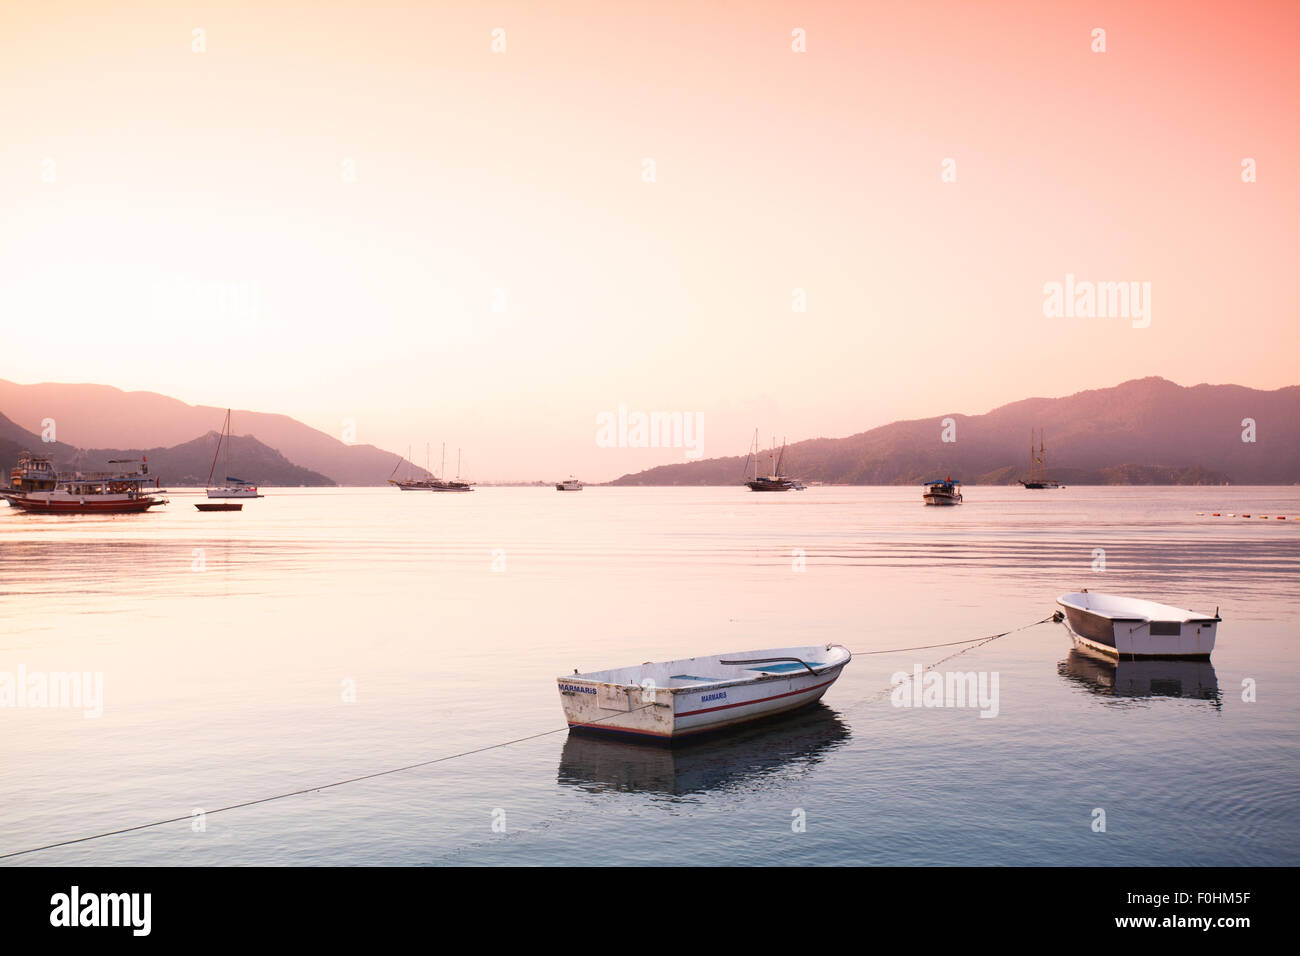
(1038,467)
(942,492)
(571,484)
(775,481)
(234,487)
(36,488)
(1132,628)
(671,700)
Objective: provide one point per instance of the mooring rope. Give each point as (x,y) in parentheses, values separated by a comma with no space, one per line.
(974,642)
(1054,616)
(297,793)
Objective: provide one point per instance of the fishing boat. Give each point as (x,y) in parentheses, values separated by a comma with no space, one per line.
(1133,628)
(942,492)
(234,487)
(1038,466)
(37,489)
(569,484)
(432,483)
(774,481)
(672,700)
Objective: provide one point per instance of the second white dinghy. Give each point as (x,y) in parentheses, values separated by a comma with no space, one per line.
(1132,628)
(670,700)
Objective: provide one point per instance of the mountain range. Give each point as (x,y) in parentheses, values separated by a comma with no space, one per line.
(1145,431)
(130,423)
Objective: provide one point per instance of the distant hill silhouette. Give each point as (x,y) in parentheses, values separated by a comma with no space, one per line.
(184,464)
(1146,431)
(105,417)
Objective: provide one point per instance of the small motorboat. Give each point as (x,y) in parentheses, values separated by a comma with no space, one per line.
(1132,628)
(221,506)
(671,700)
(942,492)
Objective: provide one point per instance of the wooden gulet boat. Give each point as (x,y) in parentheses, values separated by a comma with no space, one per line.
(431,483)
(671,700)
(1037,467)
(37,489)
(1128,628)
(775,481)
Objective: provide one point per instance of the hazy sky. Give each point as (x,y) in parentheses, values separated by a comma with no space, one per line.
(359,210)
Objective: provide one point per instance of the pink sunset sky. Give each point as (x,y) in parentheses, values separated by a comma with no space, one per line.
(443,241)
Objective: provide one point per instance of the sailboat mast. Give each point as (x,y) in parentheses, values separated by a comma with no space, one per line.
(216,453)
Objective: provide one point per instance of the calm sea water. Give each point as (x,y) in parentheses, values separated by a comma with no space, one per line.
(229,642)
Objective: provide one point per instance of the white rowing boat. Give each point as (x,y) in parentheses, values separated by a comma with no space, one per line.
(1132,628)
(670,700)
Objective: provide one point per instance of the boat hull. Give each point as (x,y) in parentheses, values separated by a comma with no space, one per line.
(47,504)
(1128,629)
(768,484)
(432,486)
(624,707)
(942,500)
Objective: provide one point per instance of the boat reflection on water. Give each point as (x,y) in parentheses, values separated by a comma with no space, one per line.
(1106,677)
(749,756)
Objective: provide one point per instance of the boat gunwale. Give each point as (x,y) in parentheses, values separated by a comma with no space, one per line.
(817,671)
(1197,617)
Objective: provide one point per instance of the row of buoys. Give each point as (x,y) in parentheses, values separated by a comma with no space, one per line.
(1233,514)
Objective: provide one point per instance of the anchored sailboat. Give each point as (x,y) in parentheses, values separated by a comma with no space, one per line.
(234,487)
(432,484)
(1037,466)
(775,481)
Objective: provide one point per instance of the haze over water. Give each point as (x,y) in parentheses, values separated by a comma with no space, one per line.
(225,641)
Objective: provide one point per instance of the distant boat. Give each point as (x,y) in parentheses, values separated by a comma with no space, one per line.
(570,484)
(234,487)
(774,481)
(1038,466)
(1132,628)
(943,491)
(668,701)
(221,506)
(432,483)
